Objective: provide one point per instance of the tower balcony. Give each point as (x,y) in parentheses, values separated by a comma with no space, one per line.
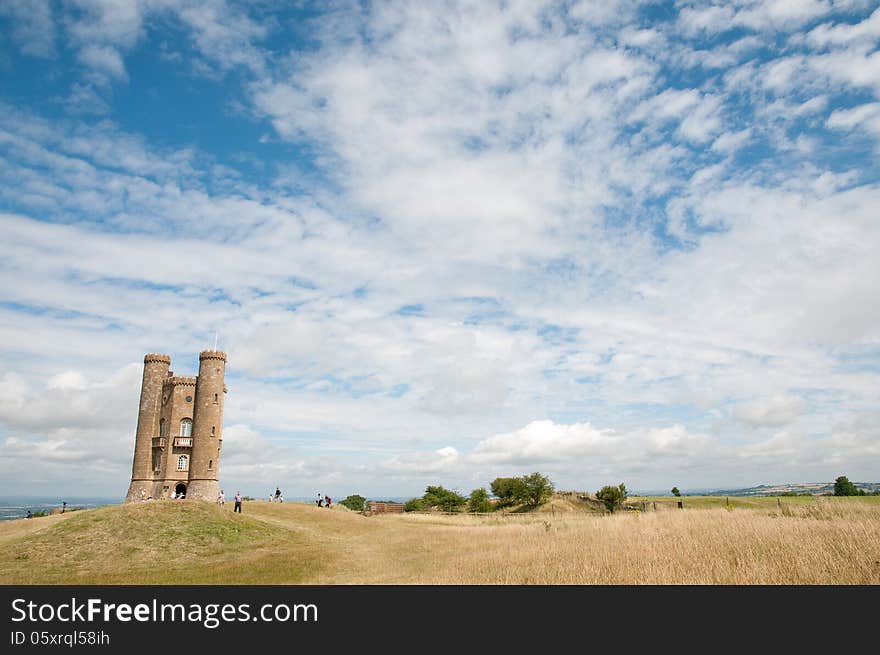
(183,442)
(158,442)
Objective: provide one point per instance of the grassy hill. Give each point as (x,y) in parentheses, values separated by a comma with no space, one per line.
(795,541)
(149,543)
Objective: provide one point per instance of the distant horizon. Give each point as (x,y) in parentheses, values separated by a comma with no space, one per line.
(309,498)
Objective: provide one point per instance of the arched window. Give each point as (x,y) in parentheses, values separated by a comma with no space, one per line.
(216,398)
(186,427)
(163,428)
(157,462)
(213,428)
(183,463)
(210,464)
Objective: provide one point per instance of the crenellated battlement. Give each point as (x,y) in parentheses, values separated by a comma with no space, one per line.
(178,380)
(212,354)
(156,357)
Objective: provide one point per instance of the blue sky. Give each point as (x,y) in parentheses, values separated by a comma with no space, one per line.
(443,242)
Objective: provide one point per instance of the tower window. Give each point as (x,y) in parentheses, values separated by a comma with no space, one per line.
(216,398)
(186,427)
(210,464)
(189,399)
(157,462)
(163,428)
(213,428)
(183,463)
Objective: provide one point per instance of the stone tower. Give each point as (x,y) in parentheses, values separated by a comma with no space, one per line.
(179,430)
(207,426)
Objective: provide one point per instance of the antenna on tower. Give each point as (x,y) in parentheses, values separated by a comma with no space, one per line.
(215,340)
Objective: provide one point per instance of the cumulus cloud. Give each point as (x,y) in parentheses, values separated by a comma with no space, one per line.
(69,400)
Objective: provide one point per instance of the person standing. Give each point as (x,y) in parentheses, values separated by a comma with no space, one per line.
(237,507)
(277,494)
(63,506)
(221,499)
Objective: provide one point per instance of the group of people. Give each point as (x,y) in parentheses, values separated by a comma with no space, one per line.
(30,513)
(221,500)
(324,501)
(277,497)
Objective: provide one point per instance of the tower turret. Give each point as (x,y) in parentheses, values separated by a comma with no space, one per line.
(155,371)
(207,426)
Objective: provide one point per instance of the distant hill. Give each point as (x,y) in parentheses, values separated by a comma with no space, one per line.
(815,488)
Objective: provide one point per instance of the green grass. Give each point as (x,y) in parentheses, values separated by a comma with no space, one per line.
(152,543)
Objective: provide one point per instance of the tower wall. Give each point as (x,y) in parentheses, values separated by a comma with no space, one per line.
(178,402)
(207,426)
(155,371)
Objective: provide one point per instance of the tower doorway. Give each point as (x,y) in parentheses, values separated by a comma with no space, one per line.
(180,490)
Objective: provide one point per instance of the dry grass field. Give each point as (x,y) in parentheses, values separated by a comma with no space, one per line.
(770,541)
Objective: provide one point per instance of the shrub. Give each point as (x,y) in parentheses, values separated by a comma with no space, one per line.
(532,490)
(479,501)
(612,497)
(445,499)
(415,505)
(354,502)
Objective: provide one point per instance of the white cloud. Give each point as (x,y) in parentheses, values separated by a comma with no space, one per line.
(440,461)
(774,411)
(729,142)
(104,59)
(33,27)
(867,116)
(844,34)
(705,20)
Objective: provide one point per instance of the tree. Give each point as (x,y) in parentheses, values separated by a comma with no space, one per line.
(675,491)
(507,490)
(535,489)
(843,487)
(354,502)
(611,496)
(445,499)
(479,501)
